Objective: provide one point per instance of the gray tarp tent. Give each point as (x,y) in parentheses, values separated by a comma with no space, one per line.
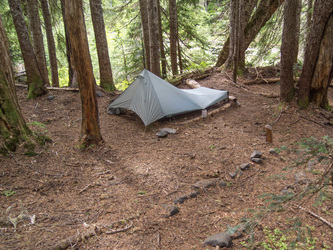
(152,98)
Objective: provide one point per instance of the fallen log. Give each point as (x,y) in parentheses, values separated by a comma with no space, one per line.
(193,84)
(265,81)
(51,88)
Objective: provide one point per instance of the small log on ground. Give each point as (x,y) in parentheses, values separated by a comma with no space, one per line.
(266,81)
(193,84)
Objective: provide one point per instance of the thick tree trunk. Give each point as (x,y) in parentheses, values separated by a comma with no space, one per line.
(154,38)
(35,81)
(50,43)
(173,36)
(145,31)
(289,39)
(90,130)
(106,79)
(263,13)
(13,128)
(72,74)
(321,14)
(37,39)
(324,68)
(163,58)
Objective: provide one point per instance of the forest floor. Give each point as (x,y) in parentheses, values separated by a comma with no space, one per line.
(117,195)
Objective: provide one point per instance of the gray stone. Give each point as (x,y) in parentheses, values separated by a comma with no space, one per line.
(256,160)
(180,199)
(272,151)
(244,166)
(206,183)
(168,130)
(162,134)
(233,174)
(50,97)
(222,239)
(193,195)
(99,94)
(256,154)
(173,210)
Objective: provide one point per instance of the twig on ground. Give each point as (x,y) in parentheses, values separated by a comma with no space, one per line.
(85,188)
(316,216)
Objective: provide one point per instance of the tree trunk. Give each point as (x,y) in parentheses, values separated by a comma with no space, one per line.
(13,128)
(298,29)
(308,17)
(160,32)
(263,13)
(90,130)
(324,68)
(173,36)
(321,14)
(154,38)
(37,39)
(106,79)
(145,31)
(35,81)
(72,74)
(289,39)
(50,43)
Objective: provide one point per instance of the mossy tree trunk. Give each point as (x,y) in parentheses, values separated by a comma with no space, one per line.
(35,81)
(317,67)
(90,130)
(13,128)
(37,39)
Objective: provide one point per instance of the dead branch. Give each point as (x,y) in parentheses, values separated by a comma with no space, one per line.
(74,240)
(316,216)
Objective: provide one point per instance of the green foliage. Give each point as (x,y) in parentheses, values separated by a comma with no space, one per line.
(123,85)
(8,193)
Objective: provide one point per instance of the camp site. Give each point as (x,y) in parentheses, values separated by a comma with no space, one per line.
(121,143)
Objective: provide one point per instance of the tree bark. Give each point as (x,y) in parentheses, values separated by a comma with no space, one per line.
(50,43)
(72,74)
(90,130)
(321,14)
(263,13)
(173,36)
(289,39)
(154,38)
(145,31)
(37,39)
(35,81)
(13,128)
(160,33)
(106,79)
(324,69)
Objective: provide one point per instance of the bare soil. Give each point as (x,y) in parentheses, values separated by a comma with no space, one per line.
(118,193)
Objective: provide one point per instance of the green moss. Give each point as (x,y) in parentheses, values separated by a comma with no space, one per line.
(303,103)
(36,87)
